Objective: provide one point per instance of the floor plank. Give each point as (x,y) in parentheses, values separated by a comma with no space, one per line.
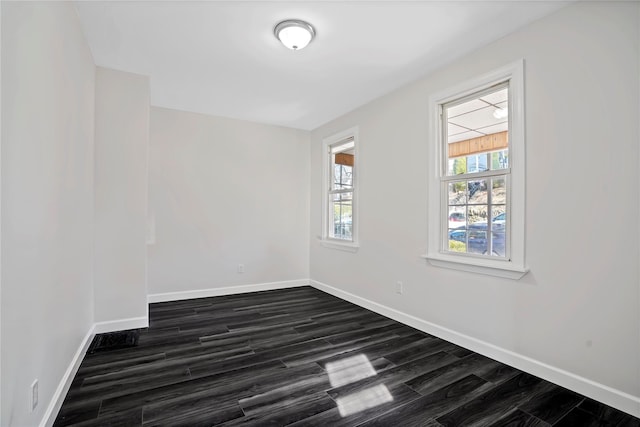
(305,358)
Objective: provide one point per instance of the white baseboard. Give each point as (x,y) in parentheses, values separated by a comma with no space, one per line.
(600,392)
(121,324)
(63,387)
(142,322)
(608,395)
(227,290)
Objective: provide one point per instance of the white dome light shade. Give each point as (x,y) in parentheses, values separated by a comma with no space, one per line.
(294,37)
(294,34)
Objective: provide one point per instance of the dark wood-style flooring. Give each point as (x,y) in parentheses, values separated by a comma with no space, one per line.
(302,357)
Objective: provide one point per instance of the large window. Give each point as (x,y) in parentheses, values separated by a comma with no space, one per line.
(476,188)
(339,220)
(476,150)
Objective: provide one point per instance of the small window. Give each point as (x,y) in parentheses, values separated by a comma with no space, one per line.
(341,192)
(339,220)
(476,188)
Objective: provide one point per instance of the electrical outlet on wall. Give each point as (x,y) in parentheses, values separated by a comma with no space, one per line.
(34,395)
(399,287)
(240,268)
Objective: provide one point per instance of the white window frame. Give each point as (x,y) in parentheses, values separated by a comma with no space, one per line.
(327,143)
(514,266)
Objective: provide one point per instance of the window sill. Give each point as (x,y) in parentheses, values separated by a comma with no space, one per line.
(342,246)
(489,267)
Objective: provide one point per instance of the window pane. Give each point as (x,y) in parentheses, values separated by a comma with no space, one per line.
(457,216)
(341,205)
(457,193)
(477,163)
(500,159)
(342,177)
(457,166)
(477,214)
(477,133)
(498,246)
(458,240)
(477,192)
(477,239)
(499,190)
(498,216)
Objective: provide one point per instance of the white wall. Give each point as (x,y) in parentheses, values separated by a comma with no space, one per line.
(47,200)
(225,192)
(121,150)
(579,308)
(0,214)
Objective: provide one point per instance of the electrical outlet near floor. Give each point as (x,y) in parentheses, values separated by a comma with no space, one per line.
(399,288)
(240,268)
(34,395)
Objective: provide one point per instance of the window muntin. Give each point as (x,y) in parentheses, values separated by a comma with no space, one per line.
(475,182)
(341,190)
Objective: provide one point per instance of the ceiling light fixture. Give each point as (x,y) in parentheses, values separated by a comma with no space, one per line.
(500,113)
(294,33)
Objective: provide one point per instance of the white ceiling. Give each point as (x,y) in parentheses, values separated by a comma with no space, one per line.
(221,58)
